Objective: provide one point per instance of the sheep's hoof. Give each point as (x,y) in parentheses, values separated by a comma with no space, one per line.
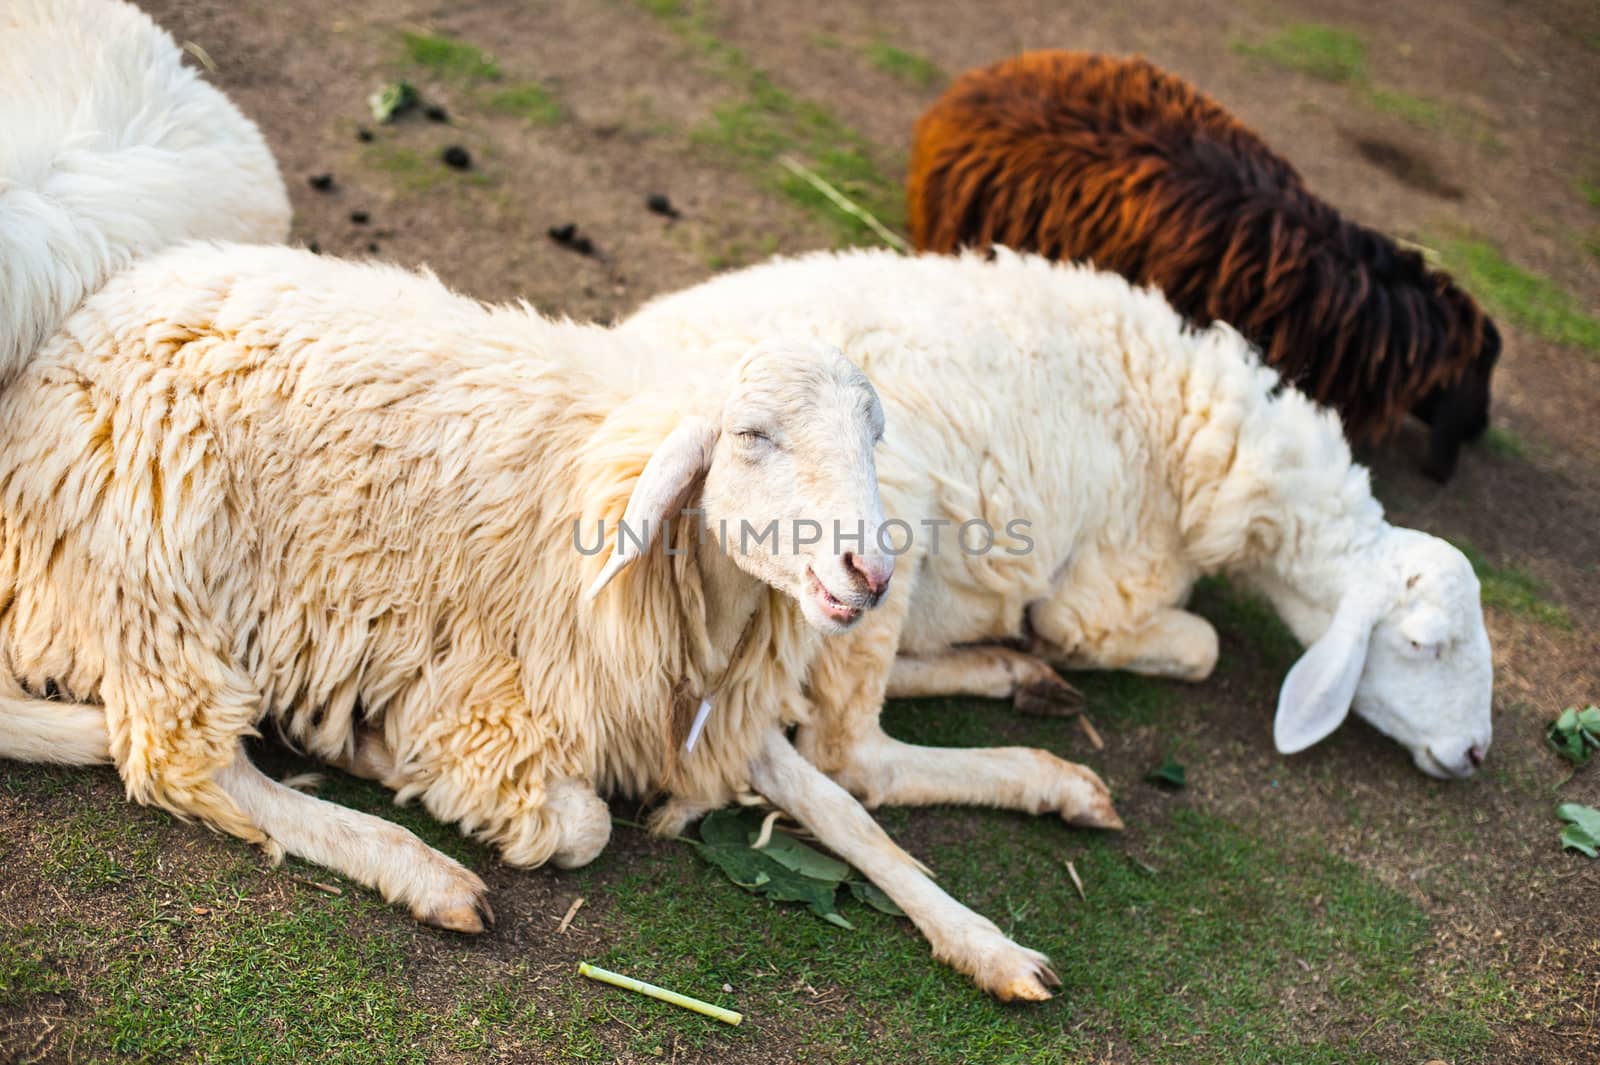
(1013,973)
(1099,815)
(463,908)
(1031,988)
(468,918)
(1087,803)
(1049,696)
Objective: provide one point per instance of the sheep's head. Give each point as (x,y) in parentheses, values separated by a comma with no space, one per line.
(787,485)
(1408,652)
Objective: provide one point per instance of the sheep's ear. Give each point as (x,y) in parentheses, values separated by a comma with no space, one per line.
(675,465)
(1317,693)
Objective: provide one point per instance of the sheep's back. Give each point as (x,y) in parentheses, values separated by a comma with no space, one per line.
(1013,389)
(340,468)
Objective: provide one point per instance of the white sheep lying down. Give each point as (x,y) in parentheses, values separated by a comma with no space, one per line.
(1143,455)
(110,149)
(246,484)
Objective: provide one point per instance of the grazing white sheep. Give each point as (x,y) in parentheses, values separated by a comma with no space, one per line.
(110,149)
(246,484)
(1143,455)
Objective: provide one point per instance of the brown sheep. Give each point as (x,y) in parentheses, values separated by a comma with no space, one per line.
(1081,156)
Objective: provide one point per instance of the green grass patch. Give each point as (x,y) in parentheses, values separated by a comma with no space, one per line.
(415,172)
(736,253)
(910,67)
(1424,112)
(769,122)
(321,983)
(1201,940)
(1505,443)
(451,57)
(1240,614)
(1193,963)
(23,970)
(194,965)
(1532,300)
(411,169)
(1311,48)
(1339,56)
(1591,192)
(530,101)
(1515,591)
(1417,110)
(766,121)
(98,848)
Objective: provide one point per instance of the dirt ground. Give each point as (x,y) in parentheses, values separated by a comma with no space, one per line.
(634,84)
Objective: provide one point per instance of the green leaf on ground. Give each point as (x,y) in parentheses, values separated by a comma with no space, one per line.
(797,857)
(1582,833)
(1168,774)
(1575,734)
(871,894)
(393,99)
(784,869)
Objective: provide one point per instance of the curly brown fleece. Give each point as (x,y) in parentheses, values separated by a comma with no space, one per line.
(1082,156)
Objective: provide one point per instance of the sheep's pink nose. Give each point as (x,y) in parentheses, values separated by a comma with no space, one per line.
(1475,754)
(875,570)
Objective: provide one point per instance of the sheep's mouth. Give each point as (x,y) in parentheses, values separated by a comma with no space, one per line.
(832,607)
(1430,764)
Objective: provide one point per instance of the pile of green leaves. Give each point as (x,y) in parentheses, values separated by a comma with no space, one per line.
(1576,734)
(1582,833)
(783,869)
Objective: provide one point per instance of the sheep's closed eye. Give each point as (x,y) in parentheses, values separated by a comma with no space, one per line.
(753,438)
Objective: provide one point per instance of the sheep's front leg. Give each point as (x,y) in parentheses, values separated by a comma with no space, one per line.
(1168,643)
(987,672)
(369,850)
(960,938)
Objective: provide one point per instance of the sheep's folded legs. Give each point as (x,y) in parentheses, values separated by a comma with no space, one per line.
(961,938)
(883,771)
(1170,643)
(987,672)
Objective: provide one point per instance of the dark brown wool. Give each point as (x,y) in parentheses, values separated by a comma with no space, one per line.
(1081,156)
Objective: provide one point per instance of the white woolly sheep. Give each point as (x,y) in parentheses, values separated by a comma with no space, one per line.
(1145,455)
(112,149)
(246,484)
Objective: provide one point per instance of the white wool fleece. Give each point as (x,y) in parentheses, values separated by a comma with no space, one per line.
(1143,455)
(110,149)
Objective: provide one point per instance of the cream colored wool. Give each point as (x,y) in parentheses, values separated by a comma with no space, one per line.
(250,482)
(110,149)
(247,485)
